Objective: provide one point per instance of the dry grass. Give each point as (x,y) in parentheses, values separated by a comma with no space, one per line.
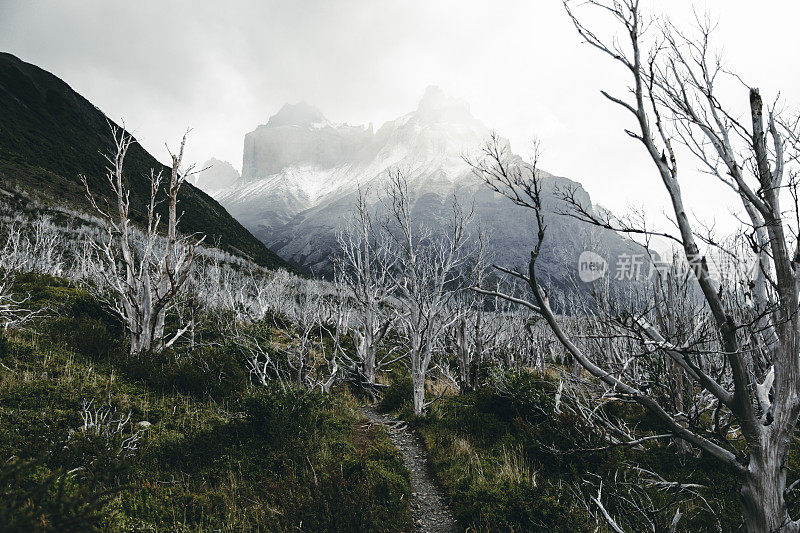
(510,464)
(441,387)
(514,467)
(461,446)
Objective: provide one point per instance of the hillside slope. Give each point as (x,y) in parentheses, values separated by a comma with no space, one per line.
(204,450)
(49,134)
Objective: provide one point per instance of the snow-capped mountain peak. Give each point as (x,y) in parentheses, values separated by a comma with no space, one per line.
(299,135)
(300,114)
(215,175)
(301,175)
(436,106)
(307,160)
(431,139)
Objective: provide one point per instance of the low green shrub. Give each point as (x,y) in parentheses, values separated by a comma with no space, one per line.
(206,372)
(216,454)
(397,394)
(88,336)
(274,413)
(297,455)
(36,498)
(510,462)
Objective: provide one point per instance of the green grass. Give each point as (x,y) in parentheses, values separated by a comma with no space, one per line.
(216,458)
(221,455)
(509,463)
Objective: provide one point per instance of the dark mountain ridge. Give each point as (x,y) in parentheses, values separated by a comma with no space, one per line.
(50,134)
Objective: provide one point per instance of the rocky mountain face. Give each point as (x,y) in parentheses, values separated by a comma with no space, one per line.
(215,175)
(301,176)
(299,135)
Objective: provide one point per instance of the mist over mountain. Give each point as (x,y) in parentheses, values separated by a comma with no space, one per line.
(300,135)
(301,176)
(236,346)
(215,175)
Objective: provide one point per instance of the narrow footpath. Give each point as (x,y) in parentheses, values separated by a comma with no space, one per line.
(428,507)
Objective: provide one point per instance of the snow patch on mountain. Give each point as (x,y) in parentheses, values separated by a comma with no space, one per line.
(301,175)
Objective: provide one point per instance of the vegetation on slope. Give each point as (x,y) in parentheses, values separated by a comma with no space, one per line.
(201,450)
(510,462)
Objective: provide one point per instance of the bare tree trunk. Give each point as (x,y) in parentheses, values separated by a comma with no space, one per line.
(479,347)
(300,374)
(365,359)
(368,346)
(762,493)
(418,384)
(678,378)
(367,355)
(192,324)
(464,354)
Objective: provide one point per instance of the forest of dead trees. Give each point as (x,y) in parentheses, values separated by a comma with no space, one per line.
(714,358)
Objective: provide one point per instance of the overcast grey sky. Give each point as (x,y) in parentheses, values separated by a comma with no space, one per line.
(225,67)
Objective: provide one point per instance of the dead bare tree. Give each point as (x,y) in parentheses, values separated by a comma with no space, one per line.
(13,308)
(431,268)
(753,324)
(465,337)
(476,332)
(115,429)
(364,267)
(32,245)
(152,270)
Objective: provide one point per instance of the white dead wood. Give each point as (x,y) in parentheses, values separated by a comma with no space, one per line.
(364,267)
(144,273)
(431,268)
(740,359)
